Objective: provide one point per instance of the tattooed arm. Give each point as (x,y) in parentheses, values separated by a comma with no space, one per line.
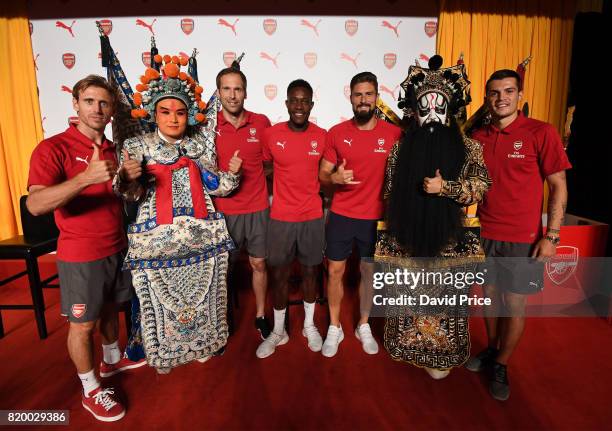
(557,204)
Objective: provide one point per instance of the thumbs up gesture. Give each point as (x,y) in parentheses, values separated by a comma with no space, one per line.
(433,185)
(235,163)
(344,176)
(130,169)
(99,170)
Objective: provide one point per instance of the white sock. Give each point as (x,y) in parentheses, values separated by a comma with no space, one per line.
(309,308)
(89,381)
(111,352)
(279,321)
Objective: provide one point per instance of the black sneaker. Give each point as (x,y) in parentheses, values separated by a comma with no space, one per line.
(499,387)
(482,360)
(262,325)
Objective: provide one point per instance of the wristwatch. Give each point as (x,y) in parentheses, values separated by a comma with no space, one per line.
(553,239)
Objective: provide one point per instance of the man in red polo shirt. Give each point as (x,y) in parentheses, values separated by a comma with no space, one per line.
(520,153)
(296,226)
(246,209)
(71,174)
(354,161)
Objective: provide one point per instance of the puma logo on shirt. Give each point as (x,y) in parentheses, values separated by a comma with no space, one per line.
(349,142)
(281,144)
(78,159)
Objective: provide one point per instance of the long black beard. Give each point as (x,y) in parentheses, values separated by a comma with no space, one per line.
(422,223)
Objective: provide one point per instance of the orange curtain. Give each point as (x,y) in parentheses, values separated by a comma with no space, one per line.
(498,34)
(20,120)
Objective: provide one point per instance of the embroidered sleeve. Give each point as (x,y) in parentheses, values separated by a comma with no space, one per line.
(225,183)
(130,191)
(228,182)
(390,170)
(474,179)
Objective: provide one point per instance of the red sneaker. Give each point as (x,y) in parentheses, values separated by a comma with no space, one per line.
(103,406)
(107,370)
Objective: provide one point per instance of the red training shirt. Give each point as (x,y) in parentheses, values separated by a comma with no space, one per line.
(91,224)
(366,153)
(296,157)
(252,194)
(518,158)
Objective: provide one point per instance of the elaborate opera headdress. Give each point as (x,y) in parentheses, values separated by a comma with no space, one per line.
(433,94)
(171,83)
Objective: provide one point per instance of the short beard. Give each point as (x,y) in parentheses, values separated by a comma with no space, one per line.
(363,117)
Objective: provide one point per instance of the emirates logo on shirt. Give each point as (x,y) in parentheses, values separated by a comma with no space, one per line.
(517,145)
(313,152)
(381,146)
(252,135)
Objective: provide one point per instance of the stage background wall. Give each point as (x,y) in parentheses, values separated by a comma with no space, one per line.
(20,129)
(326,51)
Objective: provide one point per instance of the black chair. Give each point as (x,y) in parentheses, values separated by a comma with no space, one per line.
(39,238)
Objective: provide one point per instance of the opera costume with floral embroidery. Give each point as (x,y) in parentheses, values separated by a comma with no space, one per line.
(178,244)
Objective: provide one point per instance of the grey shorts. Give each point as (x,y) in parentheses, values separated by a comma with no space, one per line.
(304,240)
(250,231)
(86,286)
(510,267)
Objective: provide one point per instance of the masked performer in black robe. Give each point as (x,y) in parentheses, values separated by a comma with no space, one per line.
(432,175)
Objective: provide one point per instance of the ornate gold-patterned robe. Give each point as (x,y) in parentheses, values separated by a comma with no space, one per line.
(434,336)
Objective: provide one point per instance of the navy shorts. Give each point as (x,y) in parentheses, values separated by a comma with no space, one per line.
(341,232)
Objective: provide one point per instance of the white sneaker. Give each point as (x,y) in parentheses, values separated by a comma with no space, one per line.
(314,338)
(204,359)
(436,374)
(364,334)
(268,346)
(333,339)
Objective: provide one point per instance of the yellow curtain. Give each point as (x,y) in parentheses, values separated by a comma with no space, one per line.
(498,34)
(20,120)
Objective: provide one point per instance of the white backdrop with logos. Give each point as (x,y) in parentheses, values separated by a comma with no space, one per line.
(326,51)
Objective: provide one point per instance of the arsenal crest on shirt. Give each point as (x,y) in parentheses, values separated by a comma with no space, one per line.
(351,26)
(187,25)
(146,58)
(107,26)
(228,58)
(269,26)
(561,266)
(517,145)
(270,90)
(68,59)
(389,59)
(310,59)
(431,27)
